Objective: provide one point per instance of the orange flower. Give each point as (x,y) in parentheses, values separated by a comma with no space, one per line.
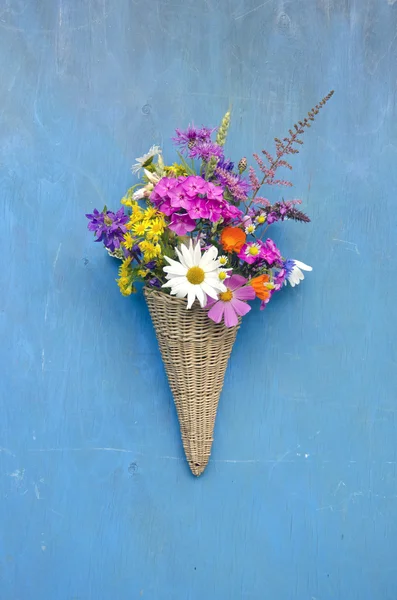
(258,283)
(232,239)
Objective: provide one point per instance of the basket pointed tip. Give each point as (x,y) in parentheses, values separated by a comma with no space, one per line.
(197,468)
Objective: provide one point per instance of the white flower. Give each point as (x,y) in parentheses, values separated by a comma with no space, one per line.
(139,194)
(153,177)
(223,260)
(195,275)
(142,161)
(295,275)
(224,273)
(250,229)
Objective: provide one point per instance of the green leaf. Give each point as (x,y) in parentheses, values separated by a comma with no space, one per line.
(188,169)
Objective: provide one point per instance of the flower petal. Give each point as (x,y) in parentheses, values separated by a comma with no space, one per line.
(241,308)
(209,290)
(175,269)
(201,297)
(187,255)
(231,319)
(302,265)
(181,258)
(208,256)
(197,254)
(235,281)
(216,312)
(245,293)
(191,296)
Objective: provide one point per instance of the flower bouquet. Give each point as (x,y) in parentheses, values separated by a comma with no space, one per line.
(195,234)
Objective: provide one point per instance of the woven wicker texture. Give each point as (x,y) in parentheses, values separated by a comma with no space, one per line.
(195,352)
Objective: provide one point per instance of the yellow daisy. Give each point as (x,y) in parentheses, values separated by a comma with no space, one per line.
(150,212)
(129,241)
(139,229)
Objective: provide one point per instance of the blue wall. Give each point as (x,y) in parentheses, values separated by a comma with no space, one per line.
(299,501)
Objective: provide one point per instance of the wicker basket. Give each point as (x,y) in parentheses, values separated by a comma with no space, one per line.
(195,352)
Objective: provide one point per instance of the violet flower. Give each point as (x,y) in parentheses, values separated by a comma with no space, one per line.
(205,151)
(225,164)
(108,227)
(186,139)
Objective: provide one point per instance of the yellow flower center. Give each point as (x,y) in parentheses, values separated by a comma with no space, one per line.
(253,250)
(222,275)
(261,219)
(226,296)
(107,220)
(195,275)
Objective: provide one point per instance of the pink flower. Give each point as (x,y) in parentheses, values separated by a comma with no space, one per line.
(179,198)
(181,224)
(270,252)
(165,185)
(214,192)
(195,185)
(251,252)
(165,207)
(232,303)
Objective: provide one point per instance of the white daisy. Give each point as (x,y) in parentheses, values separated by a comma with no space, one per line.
(223,260)
(145,160)
(250,229)
(294,271)
(195,275)
(224,273)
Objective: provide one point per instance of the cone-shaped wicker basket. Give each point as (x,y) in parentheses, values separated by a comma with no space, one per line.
(195,352)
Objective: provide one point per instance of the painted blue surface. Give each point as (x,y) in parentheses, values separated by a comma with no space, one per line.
(299,501)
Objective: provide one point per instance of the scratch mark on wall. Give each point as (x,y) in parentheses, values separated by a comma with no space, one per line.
(46,309)
(79,450)
(54,264)
(56,512)
(37,492)
(338,487)
(391,2)
(18,474)
(252,10)
(42,360)
(6,451)
(352,246)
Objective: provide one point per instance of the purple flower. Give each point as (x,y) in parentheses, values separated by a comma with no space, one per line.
(108,227)
(279,279)
(272,218)
(154,282)
(225,164)
(189,137)
(237,186)
(205,150)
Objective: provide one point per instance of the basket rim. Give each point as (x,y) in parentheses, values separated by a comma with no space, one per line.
(150,290)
